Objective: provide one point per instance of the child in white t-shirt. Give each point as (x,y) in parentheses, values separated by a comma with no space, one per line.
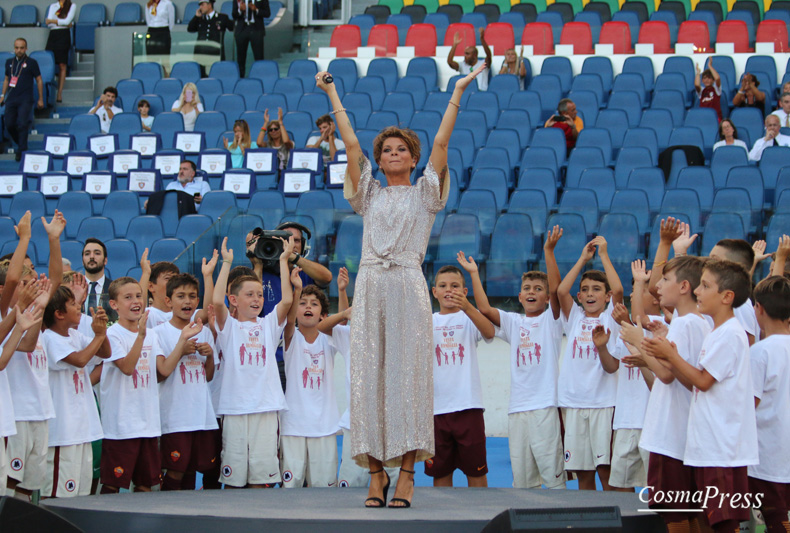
(129,396)
(533,421)
(771,380)
(76,423)
(721,440)
(585,392)
(185,363)
(459,428)
(155,277)
(308,446)
(251,392)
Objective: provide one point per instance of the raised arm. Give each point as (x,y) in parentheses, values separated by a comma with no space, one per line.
(290,325)
(611,274)
(145,274)
(207,269)
(261,141)
(14,272)
(641,279)
(564,290)
(342,285)
(54,229)
(759,255)
(441,141)
(552,270)
(220,309)
(285,281)
(486,48)
(481,298)
(670,230)
(451,57)
(353,149)
(780,258)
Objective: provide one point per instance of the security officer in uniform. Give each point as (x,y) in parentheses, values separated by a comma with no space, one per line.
(21,71)
(209,26)
(248,16)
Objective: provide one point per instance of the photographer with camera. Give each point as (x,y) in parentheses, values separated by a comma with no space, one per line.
(264,249)
(568,121)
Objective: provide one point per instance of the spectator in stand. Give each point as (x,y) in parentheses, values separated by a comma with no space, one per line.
(106,109)
(772,138)
(514,64)
(187,183)
(241,143)
(274,135)
(749,95)
(160,17)
(248,16)
(17,96)
(470,60)
(327,141)
(59,20)
(568,121)
(728,135)
(708,87)
(188,104)
(143,107)
(783,113)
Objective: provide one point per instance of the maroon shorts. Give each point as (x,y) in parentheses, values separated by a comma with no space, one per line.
(189,451)
(460,443)
(130,460)
(775,496)
(731,481)
(667,475)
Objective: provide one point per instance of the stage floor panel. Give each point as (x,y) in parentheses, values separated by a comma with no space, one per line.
(456,510)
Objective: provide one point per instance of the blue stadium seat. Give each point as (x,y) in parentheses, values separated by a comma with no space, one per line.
(615,121)
(154,101)
(72,250)
(660,121)
(320,206)
(687,135)
(460,232)
(268,72)
(272,102)
(23,15)
(82,127)
(683,201)
(475,122)
(481,203)
(129,91)
(425,68)
(76,205)
(254,120)
(600,180)
(724,159)
(777,227)
(583,158)
(209,89)
(348,251)
(232,105)
(582,202)
(127,13)
(540,157)
(269,205)
(250,89)
(642,66)
(167,124)
(365,23)
(402,104)
(101,228)
(478,20)
(560,67)
(122,207)
(593,20)
(519,121)
(122,254)
(378,120)
(471,88)
(212,123)
(736,201)
(531,202)
(305,70)
(601,66)
(487,103)
(341,68)
(166,249)
(555,20)
(192,229)
(629,159)
(491,179)
(186,71)
(359,105)
(586,106)
(464,141)
(706,120)
(374,87)
(553,138)
(386,69)
(124,125)
(511,254)
(215,203)
(148,73)
(683,65)
(772,161)
(574,238)
(90,17)
(766,64)
(532,103)
(508,140)
(542,179)
(504,86)
(673,101)
(169,89)
(414,86)
(143,230)
(227,72)
(633,202)
(748,119)
(598,138)
(651,181)
(624,242)
(700,180)
(629,102)
(549,87)
(591,83)
(750,179)
(632,82)
(644,137)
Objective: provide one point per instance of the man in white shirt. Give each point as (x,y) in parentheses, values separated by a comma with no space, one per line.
(784,111)
(186,182)
(94,261)
(327,141)
(106,109)
(470,60)
(772,137)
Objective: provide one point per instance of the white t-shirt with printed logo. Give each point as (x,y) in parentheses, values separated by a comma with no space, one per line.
(456,376)
(583,383)
(722,428)
(250,377)
(310,395)
(771,381)
(157,317)
(76,416)
(534,358)
(185,397)
(747,318)
(666,419)
(130,404)
(341,338)
(28,379)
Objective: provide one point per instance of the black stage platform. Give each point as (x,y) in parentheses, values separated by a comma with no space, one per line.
(455,510)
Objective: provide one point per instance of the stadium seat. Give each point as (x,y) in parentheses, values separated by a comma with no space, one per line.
(348,250)
(124,125)
(215,203)
(510,254)
(657,34)
(148,74)
(128,91)
(482,204)
(553,138)
(387,70)
(166,249)
(633,202)
(622,234)
(540,36)
(531,202)
(683,201)
(598,138)
(509,141)
(267,71)
(582,202)
(567,251)
(629,159)
(590,83)
(735,201)
(601,181)
(186,71)
(561,68)
(771,163)
(101,228)
(687,136)
(127,13)
(493,180)
(720,226)
(440,21)
(593,20)
(774,31)
(526,10)
(419,12)
(725,159)
(166,125)
(90,17)
(549,87)
(700,180)
(517,21)
(415,87)
(227,72)
(169,89)
(505,85)
(645,137)
(630,103)
(519,121)
(651,181)
(423,38)
(346,38)
(709,19)
(579,35)
(736,32)
(581,159)
(291,88)
(379,13)
(749,179)
(615,121)
(706,120)
(122,207)
(672,101)
(384,38)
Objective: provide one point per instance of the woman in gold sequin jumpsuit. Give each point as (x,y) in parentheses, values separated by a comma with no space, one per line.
(391,325)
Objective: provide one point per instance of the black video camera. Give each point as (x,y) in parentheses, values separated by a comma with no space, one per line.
(269,246)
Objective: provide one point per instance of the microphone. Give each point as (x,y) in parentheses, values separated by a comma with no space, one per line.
(328,78)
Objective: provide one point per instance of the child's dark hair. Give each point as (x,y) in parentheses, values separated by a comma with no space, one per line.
(162,267)
(597,275)
(686,268)
(116,284)
(773,294)
(235,287)
(536,275)
(181,280)
(57,302)
(314,290)
(738,251)
(706,74)
(450,269)
(730,276)
(237,272)
(142,102)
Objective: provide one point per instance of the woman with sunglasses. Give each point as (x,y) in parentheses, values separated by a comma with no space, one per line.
(274,135)
(241,143)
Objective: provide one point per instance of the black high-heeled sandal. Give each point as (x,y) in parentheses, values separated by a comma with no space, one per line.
(380,501)
(406,503)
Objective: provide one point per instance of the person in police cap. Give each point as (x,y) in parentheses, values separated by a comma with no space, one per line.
(209,25)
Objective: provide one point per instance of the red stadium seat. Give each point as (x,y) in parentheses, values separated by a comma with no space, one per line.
(618,34)
(384,37)
(346,39)
(696,33)
(579,35)
(735,32)
(467,32)
(423,38)
(499,35)
(656,32)
(773,31)
(540,36)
